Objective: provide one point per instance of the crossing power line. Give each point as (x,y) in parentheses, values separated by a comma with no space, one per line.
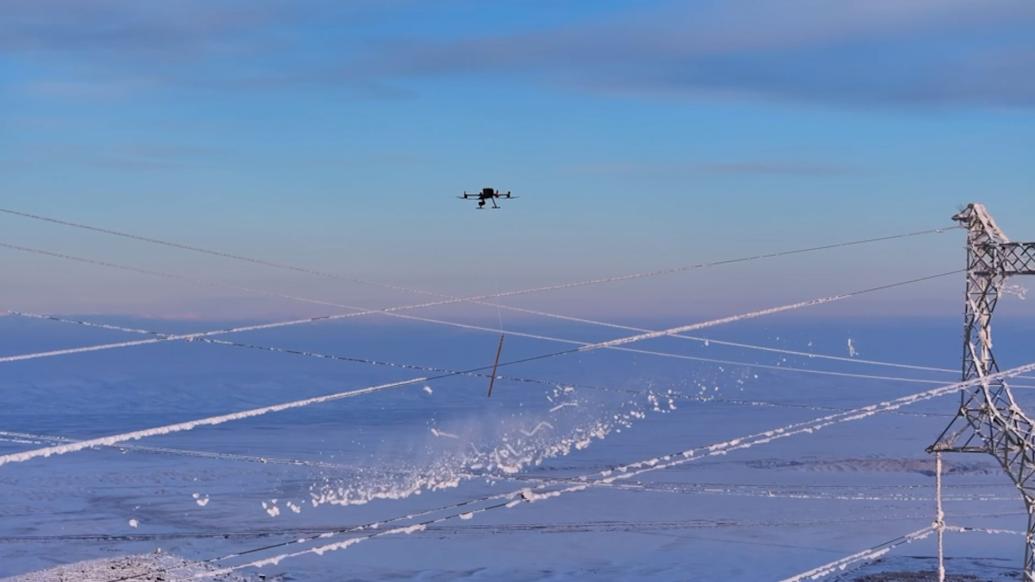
(260,411)
(707,341)
(620,473)
(445,299)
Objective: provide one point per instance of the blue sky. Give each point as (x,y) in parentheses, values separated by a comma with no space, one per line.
(639,135)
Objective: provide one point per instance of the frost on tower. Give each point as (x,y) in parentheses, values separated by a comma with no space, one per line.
(988,419)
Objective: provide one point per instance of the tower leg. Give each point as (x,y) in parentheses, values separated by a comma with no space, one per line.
(939,519)
(1029,543)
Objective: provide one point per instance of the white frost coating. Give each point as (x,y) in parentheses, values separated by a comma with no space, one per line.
(984,530)
(318,551)
(192,424)
(771,492)
(714,322)
(1018,291)
(867,555)
(170,338)
(39,439)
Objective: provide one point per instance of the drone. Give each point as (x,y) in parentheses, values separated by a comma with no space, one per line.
(490,194)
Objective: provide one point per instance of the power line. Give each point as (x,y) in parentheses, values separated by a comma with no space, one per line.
(630,470)
(615,474)
(12,436)
(33,438)
(369,361)
(866,555)
(363,311)
(747,346)
(563,527)
(646,334)
(479,328)
(220,419)
(609,344)
(448,299)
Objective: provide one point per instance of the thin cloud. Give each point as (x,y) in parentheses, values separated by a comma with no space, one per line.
(876,52)
(836,52)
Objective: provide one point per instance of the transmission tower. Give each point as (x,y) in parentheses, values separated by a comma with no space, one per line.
(988,419)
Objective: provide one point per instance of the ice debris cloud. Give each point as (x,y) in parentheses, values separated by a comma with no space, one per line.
(526,446)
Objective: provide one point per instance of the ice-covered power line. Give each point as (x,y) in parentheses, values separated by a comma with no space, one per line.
(601,345)
(631,470)
(40,439)
(448,299)
(220,419)
(570,527)
(881,550)
(804,493)
(210,283)
(984,530)
(742,345)
(762,312)
(867,555)
(370,361)
(716,361)
(33,438)
(192,424)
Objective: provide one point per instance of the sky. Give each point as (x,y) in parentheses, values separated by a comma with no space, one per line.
(638,135)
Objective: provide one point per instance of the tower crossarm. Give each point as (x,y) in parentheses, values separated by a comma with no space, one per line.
(1002,259)
(1017,258)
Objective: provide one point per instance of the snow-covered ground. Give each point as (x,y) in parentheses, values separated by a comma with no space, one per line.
(435,481)
(152,567)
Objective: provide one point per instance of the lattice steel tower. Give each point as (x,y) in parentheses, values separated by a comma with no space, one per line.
(988,420)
